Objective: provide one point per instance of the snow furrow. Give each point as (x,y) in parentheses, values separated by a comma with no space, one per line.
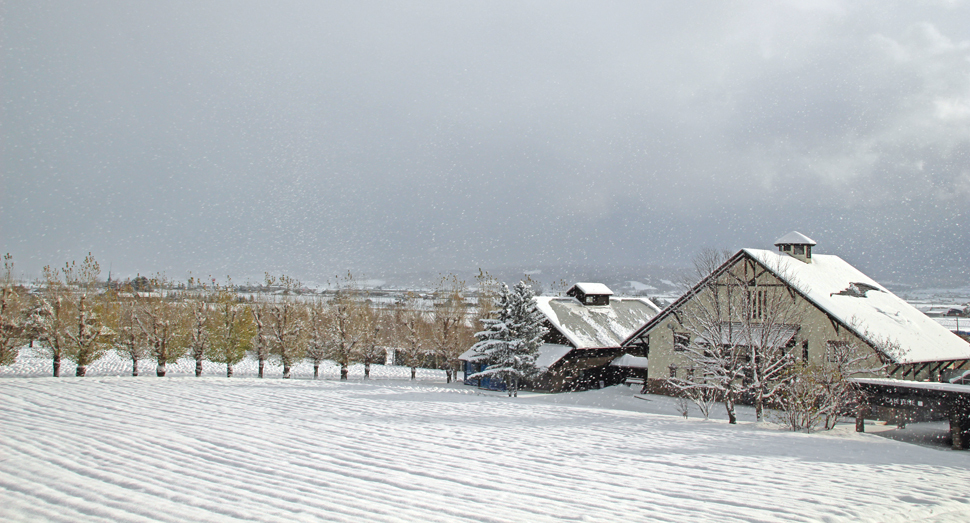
(139,450)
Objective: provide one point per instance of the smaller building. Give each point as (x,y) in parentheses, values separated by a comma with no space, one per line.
(582,348)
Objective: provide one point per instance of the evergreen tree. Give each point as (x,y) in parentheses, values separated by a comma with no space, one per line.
(510,342)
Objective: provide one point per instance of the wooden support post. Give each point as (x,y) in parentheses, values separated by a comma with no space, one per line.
(860,416)
(935,373)
(959,429)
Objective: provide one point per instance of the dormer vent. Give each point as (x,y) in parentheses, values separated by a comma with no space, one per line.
(796,245)
(590,293)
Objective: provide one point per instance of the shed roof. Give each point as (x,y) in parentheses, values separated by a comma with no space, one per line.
(596,327)
(631,361)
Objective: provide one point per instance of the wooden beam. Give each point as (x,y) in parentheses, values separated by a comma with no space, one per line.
(916,372)
(835,324)
(939,366)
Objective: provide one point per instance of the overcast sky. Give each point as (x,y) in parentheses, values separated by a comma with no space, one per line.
(236,137)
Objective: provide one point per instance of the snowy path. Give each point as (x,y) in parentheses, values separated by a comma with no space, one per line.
(213,449)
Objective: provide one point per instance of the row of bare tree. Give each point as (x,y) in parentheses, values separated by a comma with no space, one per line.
(75,317)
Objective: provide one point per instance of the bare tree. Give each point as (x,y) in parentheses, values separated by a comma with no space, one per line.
(351,325)
(130,340)
(450,334)
(50,319)
(818,394)
(708,342)
(231,330)
(770,318)
(318,335)
(738,334)
(411,334)
(13,314)
(286,325)
(374,348)
(199,317)
(88,336)
(163,324)
(261,344)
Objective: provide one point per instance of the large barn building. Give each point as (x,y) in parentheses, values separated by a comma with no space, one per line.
(837,304)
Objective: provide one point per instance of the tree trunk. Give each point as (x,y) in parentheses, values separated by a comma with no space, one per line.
(343,371)
(759,407)
(57,365)
(366,370)
(414,372)
(729,405)
(448,375)
(286,370)
(81,371)
(160,370)
(198,368)
(134,366)
(316,369)
(228,370)
(262,363)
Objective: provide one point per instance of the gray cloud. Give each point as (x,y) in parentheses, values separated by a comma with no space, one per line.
(311,137)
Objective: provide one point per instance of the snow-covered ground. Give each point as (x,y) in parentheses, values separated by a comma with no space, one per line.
(116,448)
(30,363)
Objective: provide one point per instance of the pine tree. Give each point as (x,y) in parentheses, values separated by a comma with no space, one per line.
(510,343)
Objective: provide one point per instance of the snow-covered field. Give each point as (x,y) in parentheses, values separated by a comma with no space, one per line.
(212,449)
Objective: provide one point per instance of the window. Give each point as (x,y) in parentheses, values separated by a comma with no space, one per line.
(681,340)
(673,371)
(838,351)
(805,351)
(757,304)
(799,249)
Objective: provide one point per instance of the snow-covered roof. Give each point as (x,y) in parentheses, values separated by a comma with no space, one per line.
(596,327)
(593,288)
(867,308)
(549,354)
(629,360)
(925,385)
(470,355)
(795,238)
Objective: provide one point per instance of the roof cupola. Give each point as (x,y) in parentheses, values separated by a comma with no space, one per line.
(796,245)
(590,293)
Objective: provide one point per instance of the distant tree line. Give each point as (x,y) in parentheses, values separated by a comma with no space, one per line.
(72,316)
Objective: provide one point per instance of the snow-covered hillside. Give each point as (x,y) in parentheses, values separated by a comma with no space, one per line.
(180,449)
